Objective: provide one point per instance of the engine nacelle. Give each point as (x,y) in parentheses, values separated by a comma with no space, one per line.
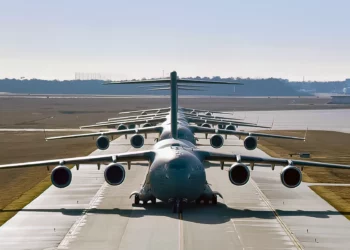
(208,113)
(291,176)
(143,113)
(206,125)
(193,112)
(216,141)
(146,125)
(239,174)
(114,174)
(137,141)
(250,143)
(102,142)
(122,127)
(61,176)
(230,127)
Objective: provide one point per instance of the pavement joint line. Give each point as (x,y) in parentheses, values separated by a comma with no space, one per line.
(181,232)
(72,231)
(278,218)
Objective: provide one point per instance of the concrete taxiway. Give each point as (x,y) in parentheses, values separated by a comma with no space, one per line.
(263,214)
(326,119)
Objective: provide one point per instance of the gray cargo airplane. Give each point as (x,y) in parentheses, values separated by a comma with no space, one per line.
(176,171)
(185,131)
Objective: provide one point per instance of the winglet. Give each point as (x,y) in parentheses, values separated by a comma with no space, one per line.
(273,121)
(45,135)
(306,133)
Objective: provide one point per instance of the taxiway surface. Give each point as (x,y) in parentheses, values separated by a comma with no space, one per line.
(263,214)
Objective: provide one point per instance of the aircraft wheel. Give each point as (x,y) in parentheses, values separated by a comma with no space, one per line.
(206,201)
(180,208)
(214,200)
(198,201)
(145,202)
(154,200)
(137,200)
(174,208)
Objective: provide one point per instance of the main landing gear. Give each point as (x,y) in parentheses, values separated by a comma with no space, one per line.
(137,199)
(206,200)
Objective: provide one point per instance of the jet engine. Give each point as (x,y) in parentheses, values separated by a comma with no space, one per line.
(102,142)
(193,112)
(230,127)
(250,143)
(122,127)
(239,174)
(114,174)
(146,125)
(216,141)
(291,176)
(137,141)
(206,125)
(61,176)
(208,113)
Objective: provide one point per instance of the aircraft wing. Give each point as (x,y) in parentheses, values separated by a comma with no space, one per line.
(212,121)
(122,157)
(160,119)
(222,157)
(197,129)
(144,110)
(114,132)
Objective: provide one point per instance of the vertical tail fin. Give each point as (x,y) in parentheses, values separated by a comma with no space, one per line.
(174,103)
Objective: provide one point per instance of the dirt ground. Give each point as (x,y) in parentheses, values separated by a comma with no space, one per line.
(324,146)
(31,146)
(74,112)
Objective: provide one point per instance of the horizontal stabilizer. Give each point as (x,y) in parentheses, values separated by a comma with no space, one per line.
(179,88)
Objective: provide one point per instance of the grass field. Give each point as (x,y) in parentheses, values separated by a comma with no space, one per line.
(333,147)
(20,186)
(75,112)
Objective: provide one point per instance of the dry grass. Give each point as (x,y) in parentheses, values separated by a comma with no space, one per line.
(20,186)
(324,146)
(74,112)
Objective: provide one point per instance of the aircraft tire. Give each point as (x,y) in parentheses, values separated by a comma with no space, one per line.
(154,200)
(214,200)
(137,199)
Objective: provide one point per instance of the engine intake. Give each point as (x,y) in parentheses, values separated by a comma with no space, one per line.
(208,113)
(239,174)
(102,142)
(230,127)
(206,125)
(291,176)
(122,127)
(61,176)
(216,141)
(137,141)
(250,143)
(146,125)
(114,174)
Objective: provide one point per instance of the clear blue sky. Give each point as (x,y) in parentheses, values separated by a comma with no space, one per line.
(133,39)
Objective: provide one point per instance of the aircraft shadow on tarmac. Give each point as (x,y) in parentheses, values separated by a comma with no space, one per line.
(202,214)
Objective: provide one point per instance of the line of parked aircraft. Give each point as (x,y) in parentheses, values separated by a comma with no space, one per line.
(176,172)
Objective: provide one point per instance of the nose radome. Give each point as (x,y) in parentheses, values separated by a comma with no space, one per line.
(178,164)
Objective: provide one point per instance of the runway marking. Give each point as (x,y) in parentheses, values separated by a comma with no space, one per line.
(278,218)
(181,232)
(239,237)
(79,222)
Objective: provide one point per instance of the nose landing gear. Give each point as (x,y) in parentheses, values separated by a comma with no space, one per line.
(178,205)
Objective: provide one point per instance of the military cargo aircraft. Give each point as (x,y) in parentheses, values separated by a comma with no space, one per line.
(176,166)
